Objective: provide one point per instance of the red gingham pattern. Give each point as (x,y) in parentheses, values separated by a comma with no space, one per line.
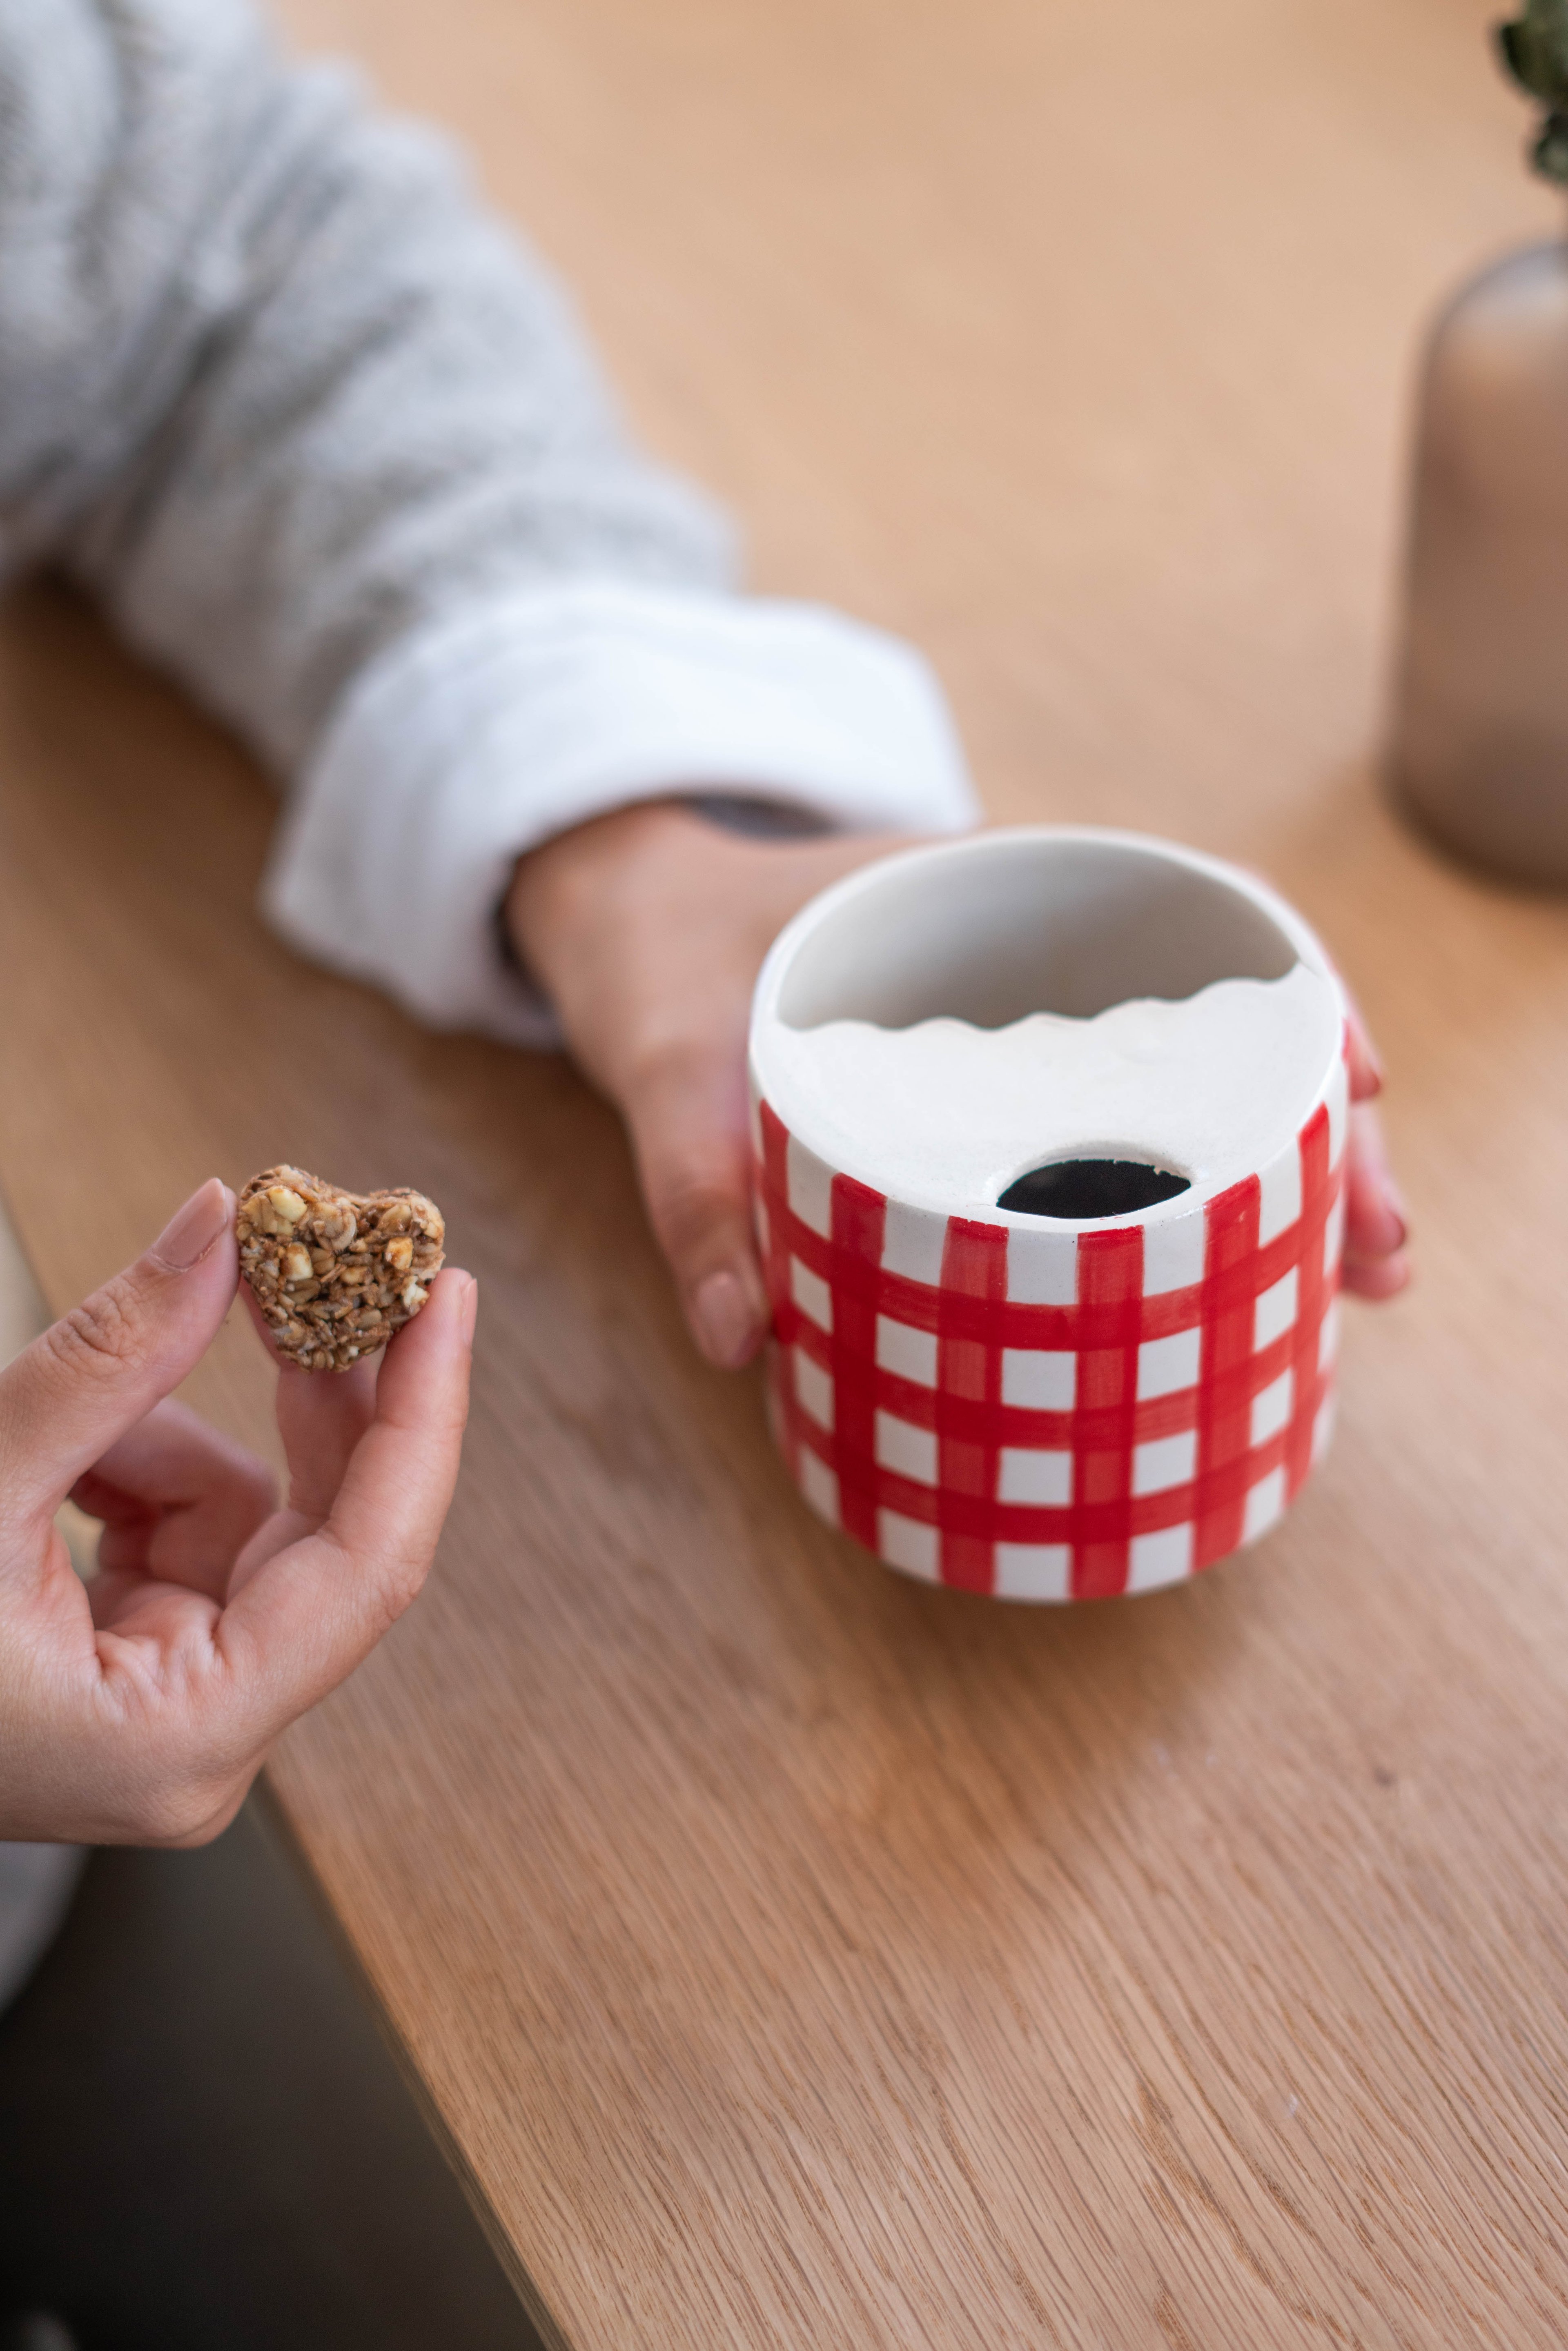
(1148,1462)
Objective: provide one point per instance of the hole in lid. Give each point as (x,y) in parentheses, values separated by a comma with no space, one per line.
(1079,1190)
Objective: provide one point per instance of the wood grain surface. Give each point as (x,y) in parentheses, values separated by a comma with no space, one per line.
(792,1954)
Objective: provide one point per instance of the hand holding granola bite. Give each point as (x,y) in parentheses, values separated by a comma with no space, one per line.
(137,1708)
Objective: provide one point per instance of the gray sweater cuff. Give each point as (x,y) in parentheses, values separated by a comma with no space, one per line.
(483,734)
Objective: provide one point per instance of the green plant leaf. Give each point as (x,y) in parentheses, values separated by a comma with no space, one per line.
(1517,55)
(1535,49)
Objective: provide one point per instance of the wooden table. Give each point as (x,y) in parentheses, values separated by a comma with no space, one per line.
(794,1955)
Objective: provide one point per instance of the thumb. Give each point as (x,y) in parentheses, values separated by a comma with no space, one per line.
(687,1117)
(97,1371)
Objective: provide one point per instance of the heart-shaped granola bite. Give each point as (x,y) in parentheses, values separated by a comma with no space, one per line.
(334,1273)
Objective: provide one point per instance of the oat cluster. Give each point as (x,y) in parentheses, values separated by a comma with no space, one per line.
(335,1273)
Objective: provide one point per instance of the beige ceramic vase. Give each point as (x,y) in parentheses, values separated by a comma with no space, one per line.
(1480,742)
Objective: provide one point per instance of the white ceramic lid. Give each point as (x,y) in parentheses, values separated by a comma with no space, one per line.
(944,1021)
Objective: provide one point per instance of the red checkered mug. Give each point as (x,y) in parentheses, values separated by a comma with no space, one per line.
(1033,1405)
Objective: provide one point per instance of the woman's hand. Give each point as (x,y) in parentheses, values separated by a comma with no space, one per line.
(647,929)
(1375,1230)
(137,1708)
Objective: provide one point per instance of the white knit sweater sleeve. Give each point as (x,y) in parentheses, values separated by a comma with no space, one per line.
(325,439)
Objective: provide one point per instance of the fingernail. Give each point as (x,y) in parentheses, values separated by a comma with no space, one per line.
(192,1231)
(1393,1201)
(725,1319)
(470,1313)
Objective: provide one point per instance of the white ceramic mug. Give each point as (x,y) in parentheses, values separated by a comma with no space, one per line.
(1054,1297)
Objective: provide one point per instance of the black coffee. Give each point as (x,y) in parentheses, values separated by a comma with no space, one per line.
(1091,1188)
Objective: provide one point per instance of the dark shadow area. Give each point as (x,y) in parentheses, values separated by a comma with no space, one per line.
(205,2144)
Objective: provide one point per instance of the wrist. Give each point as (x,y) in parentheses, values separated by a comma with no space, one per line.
(570,884)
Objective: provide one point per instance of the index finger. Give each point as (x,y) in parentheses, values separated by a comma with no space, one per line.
(321,1417)
(1365,1068)
(310,1614)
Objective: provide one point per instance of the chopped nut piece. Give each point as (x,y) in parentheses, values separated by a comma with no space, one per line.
(277,1211)
(335,1274)
(336,1224)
